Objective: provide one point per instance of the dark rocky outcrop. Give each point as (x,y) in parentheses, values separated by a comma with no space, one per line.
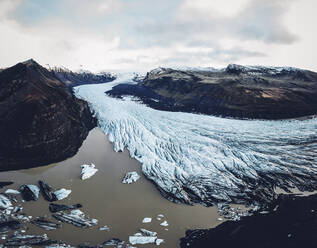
(236,91)
(41,121)
(291,222)
(73,79)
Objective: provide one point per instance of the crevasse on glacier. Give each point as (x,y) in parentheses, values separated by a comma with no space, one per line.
(204,159)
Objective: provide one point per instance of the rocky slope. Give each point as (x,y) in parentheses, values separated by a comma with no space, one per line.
(72,79)
(236,91)
(40,120)
(291,222)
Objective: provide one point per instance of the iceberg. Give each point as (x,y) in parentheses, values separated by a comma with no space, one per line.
(148,233)
(12,191)
(131,177)
(164,223)
(5,201)
(62,193)
(147,220)
(204,159)
(134,240)
(88,171)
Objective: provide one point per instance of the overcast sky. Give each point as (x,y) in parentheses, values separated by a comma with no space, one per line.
(143,34)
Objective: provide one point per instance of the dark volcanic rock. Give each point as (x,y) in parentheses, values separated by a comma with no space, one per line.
(290,223)
(72,79)
(41,121)
(54,208)
(237,91)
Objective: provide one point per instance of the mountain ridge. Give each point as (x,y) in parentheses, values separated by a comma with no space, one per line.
(253,92)
(41,121)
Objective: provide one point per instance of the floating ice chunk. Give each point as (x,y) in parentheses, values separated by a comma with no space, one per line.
(134,240)
(59,246)
(29,192)
(148,233)
(62,193)
(12,191)
(34,189)
(147,220)
(159,241)
(76,218)
(114,242)
(164,223)
(104,228)
(5,201)
(160,215)
(131,177)
(87,171)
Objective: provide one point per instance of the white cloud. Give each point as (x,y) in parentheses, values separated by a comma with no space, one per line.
(111,34)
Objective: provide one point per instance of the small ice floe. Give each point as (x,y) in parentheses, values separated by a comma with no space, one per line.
(5,201)
(160,216)
(9,225)
(164,223)
(76,218)
(147,220)
(87,171)
(23,217)
(148,233)
(61,207)
(29,192)
(159,241)
(45,224)
(134,240)
(219,219)
(104,228)
(12,191)
(166,229)
(26,240)
(62,193)
(114,242)
(59,246)
(131,177)
(46,191)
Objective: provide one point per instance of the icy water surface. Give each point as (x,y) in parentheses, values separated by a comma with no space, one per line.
(205,159)
(120,206)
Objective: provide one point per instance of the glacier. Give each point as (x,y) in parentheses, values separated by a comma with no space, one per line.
(194,158)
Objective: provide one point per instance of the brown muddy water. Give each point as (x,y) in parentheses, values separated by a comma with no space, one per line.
(122,207)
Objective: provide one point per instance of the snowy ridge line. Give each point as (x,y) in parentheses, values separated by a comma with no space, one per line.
(250,69)
(205,159)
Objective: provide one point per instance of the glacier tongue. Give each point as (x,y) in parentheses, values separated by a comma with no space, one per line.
(204,159)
